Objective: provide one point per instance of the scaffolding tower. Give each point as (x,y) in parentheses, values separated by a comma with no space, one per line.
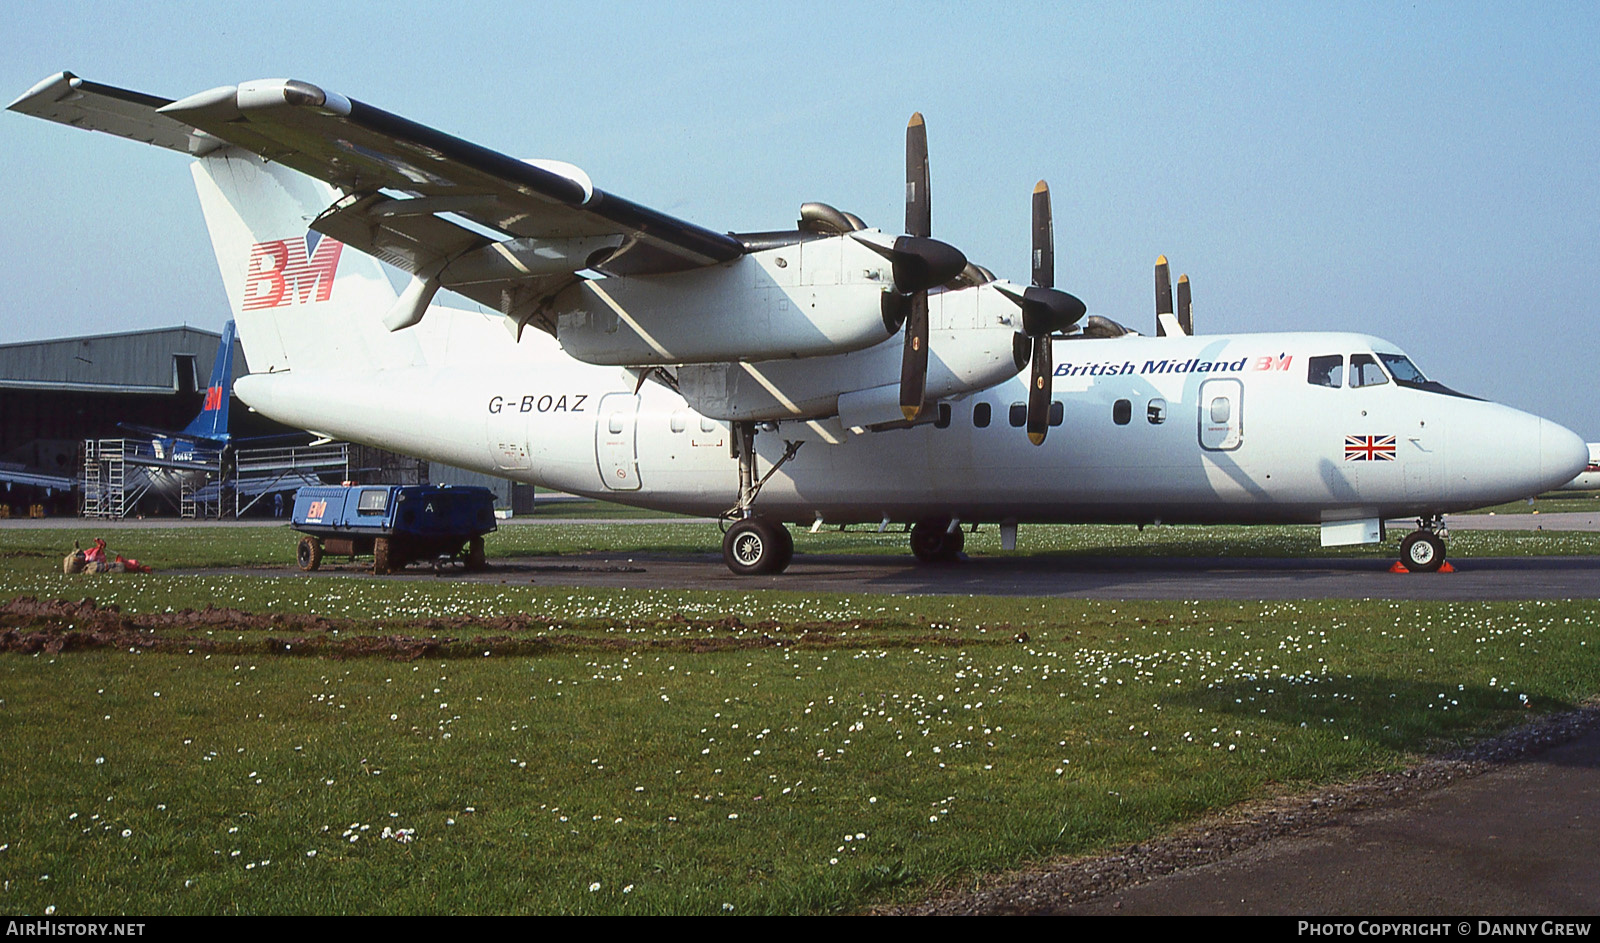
(118,472)
(260,472)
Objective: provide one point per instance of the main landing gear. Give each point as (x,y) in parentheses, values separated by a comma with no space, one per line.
(937,540)
(755,545)
(1422,551)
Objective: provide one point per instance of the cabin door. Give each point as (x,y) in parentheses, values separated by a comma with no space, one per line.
(1221,414)
(615,442)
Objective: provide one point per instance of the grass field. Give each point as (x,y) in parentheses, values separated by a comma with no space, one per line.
(432,746)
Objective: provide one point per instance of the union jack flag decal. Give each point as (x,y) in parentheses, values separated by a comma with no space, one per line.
(1369,448)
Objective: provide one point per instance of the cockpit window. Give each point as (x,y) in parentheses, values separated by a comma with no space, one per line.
(1405,372)
(1364,371)
(1326,371)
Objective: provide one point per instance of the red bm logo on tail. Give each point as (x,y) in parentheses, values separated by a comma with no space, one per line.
(290,271)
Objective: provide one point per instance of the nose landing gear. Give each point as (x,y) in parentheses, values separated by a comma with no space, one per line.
(1422,551)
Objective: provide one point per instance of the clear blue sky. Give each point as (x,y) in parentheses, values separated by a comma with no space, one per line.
(1429,172)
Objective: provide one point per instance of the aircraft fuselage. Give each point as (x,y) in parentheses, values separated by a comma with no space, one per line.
(1151,429)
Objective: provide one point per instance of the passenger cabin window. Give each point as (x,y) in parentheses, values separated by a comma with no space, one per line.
(980,415)
(1156,412)
(680,421)
(1364,371)
(1326,371)
(708,425)
(1122,412)
(373,501)
(942,421)
(1019,414)
(1058,413)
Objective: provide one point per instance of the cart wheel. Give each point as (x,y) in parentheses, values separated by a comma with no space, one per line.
(309,553)
(381,558)
(475,556)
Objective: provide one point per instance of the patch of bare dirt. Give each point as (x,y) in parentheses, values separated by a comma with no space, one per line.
(29,625)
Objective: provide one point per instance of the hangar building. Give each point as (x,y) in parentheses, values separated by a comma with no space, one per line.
(55,394)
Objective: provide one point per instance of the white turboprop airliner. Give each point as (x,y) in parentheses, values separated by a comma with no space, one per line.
(830,373)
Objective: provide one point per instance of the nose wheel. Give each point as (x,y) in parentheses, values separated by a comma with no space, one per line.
(1422,551)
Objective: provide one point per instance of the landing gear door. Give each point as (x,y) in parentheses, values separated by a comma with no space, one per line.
(1221,414)
(615,442)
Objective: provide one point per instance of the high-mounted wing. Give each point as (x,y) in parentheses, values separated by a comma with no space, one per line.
(400,178)
(67,99)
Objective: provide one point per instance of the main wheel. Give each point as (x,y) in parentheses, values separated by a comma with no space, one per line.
(756,546)
(785,547)
(309,553)
(475,556)
(382,556)
(1422,552)
(932,542)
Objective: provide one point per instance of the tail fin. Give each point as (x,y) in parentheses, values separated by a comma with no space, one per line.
(212,423)
(301,300)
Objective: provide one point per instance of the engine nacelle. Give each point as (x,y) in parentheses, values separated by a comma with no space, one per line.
(971,347)
(819,297)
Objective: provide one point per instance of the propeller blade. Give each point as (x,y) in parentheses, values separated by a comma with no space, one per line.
(914,359)
(919,211)
(1044,238)
(920,263)
(1185,306)
(1163,293)
(1039,389)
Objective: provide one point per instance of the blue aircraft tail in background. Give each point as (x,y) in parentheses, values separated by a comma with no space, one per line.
(212,423)
(209,429)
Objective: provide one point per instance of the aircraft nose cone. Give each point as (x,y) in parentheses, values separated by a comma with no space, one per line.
(1562,454)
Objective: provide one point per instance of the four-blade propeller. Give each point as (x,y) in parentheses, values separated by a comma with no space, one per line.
(920,263)
(1045,311)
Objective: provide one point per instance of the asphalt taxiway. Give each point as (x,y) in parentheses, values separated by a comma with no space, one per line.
(1366,576)
(1521,838)
(1475,578)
